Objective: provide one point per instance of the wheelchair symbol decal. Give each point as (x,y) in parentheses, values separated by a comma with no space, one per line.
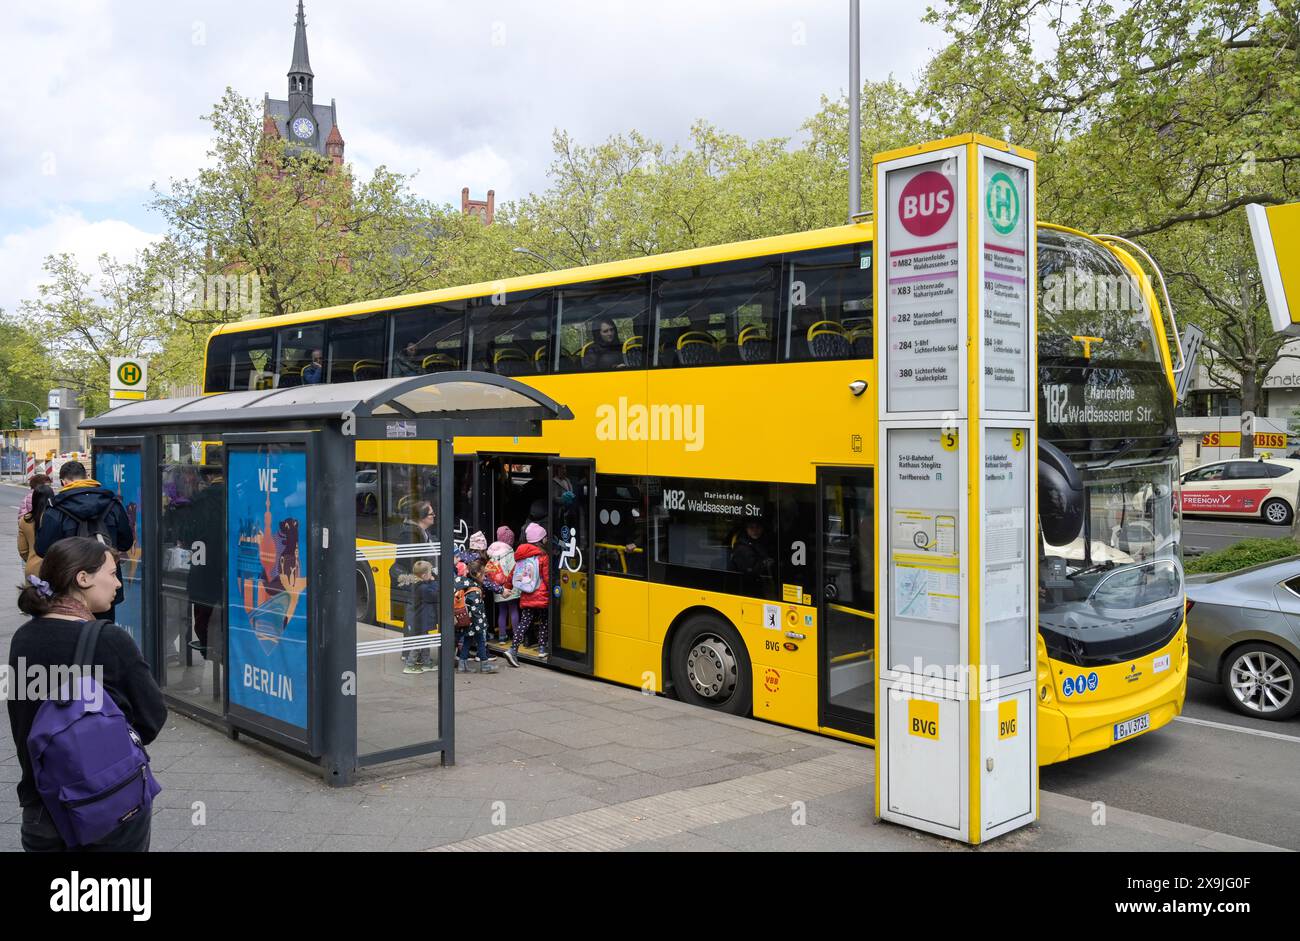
(571,556)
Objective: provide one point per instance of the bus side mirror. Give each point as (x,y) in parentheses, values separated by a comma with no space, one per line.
(1060,495)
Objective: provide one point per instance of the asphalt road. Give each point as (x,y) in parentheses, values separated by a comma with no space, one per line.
(1210,768)
(1207,533)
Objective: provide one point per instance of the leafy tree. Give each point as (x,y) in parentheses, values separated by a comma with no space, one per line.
(24,374)
(1155,120)
(80,320)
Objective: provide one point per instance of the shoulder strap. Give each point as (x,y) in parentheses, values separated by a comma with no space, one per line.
(87,641)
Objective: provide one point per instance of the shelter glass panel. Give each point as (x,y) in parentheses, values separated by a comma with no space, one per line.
(192,541)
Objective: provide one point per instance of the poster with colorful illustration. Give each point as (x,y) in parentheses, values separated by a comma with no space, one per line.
(266,532)
(118,469)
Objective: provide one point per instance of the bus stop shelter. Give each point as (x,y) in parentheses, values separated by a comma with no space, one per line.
(240,586)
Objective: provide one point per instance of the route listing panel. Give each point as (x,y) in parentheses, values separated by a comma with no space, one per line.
(925,535)
(1004,237)
(924,289)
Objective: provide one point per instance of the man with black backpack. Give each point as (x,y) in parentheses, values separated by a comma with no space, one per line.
(84,508)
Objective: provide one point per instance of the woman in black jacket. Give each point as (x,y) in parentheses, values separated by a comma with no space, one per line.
(78,575)
(606,349)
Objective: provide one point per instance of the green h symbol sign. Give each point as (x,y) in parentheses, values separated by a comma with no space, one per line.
(1002,203)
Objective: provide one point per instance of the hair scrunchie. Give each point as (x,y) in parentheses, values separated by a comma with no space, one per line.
(42,586)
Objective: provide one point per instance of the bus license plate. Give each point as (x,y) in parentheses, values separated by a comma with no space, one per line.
(1132,726)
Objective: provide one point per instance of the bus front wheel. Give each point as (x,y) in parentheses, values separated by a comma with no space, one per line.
(710,665)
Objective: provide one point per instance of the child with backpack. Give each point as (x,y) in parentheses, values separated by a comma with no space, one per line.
(531,578)
(470,614)
(86,783)
(498,579)
(421,614)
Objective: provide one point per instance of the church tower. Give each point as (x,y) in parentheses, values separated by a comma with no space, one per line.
(298,119)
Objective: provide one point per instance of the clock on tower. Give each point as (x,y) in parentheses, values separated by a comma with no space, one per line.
(303,128)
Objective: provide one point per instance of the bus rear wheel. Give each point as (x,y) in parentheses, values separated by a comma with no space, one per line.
(365,599)
(710,666)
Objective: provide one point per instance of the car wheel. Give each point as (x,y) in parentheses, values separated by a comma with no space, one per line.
(1276,511)
(1260,681)
(710,665)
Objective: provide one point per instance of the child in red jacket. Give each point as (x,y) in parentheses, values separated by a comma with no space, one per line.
(532,576)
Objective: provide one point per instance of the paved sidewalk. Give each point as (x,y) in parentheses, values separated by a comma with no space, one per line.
(552,761)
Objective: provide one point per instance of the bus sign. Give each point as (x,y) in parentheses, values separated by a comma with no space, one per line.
(926,203)
(128,378)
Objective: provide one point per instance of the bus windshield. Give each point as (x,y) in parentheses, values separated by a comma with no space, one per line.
(1090,307)
(1115,590)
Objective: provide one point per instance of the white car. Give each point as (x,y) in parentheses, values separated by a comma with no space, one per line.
(1265,487)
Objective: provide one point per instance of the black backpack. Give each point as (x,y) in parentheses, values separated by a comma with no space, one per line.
(96,527)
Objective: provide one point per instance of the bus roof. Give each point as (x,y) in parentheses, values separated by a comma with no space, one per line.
(770,245)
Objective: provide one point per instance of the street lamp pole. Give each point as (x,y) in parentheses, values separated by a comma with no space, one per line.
(855,112)
(520,250)
(21,402)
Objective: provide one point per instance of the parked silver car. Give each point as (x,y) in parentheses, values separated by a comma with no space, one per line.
(1243,632)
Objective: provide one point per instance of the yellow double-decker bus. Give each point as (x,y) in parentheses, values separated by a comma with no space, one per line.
(710,509)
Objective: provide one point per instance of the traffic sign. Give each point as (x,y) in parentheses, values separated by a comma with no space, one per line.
(128,374)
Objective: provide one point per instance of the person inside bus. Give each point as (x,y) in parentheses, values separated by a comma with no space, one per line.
(752,561)
(314,371)
(536,514)
(408,361)
(606,349)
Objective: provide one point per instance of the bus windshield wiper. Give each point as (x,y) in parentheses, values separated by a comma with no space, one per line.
(1124,448)
(1099,567)
(1171,443)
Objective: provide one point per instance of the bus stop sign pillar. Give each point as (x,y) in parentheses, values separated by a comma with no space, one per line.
(956,724)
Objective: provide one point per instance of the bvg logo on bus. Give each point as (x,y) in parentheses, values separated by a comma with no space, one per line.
(926,203)
(923,718)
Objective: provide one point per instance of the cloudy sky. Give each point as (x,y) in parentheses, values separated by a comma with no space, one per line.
(100,99)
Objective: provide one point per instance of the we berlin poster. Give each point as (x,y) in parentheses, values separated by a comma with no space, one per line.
(267,581)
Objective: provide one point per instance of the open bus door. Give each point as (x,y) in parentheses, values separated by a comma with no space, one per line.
(846,578)
(572,486)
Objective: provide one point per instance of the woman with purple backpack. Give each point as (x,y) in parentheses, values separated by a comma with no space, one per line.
(79,575)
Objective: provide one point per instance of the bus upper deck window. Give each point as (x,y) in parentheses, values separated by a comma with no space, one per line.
(703,313)
(602,325)
(511,338)
(827,302)
(356,348)
(429,340)
(302,356)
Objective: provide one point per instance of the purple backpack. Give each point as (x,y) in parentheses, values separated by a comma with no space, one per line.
(89,765)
